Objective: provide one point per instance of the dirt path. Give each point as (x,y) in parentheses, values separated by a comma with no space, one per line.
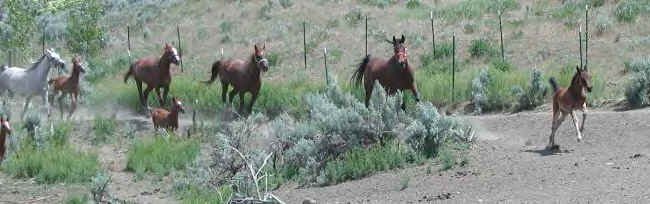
(509,164)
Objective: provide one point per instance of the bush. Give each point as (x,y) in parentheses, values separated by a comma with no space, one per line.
(470,9)
(443,50)
(500,65)
(413,4)
(480,91)
(103,127)
(52,164)
(628,10)
(603,24)
(480,48)
(533,95)
(354,16)
(379,3)
(161,155)
(193,195)
(637,91)
(286,3)
(429,130)
(492,90)
(639,64)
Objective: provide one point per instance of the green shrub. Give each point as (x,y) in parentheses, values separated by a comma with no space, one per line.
(443,50)
(533,95)
(161,155)
(637,91)
(430,131)
(639,64)
(360,163)
(379,3)
(492,90)
(286,3)
(191,195)
(52,164)
(628,10)
(354,16)
(77,199)
(226,26)
(500,65)
(480,48)
(470,9)
(103,128)
(413,4)
(603,24)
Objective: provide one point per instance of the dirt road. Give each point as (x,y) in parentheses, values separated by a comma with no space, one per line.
(509,164)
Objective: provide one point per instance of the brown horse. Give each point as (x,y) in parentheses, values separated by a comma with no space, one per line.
(68,85)
(5,129)
(394,74)
(243,76)
(155,73)
(567,100)
(162,118)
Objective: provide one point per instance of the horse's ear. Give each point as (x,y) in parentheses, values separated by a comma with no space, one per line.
(256,49)
(586,70)
(403,39)
(394,40)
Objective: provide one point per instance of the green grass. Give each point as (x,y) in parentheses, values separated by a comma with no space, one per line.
(627,11)
(481,48)
(53,164)
(103,128)
(77,199)
(360,163)
(471,9)
(161,155)
(192,195)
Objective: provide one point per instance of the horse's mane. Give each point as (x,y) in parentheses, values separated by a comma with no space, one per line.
(35,64)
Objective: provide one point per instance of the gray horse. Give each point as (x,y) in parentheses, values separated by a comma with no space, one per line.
(32,81)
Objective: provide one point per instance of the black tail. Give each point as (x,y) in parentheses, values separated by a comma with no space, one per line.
(215,72)
(357,76)
(128,74)
(553,84)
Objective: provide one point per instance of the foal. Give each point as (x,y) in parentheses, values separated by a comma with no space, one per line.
(243,76)
(393,74)
(155,73)
(68,85)
(169,120)
(5,129)
(567,100)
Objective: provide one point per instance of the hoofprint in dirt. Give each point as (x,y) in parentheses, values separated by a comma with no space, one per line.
(509,163)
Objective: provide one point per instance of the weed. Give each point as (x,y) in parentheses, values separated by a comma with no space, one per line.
(161,155)
(103,128)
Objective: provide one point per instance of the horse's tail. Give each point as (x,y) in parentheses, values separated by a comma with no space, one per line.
(357,76)
(216,68)
(131,72)
(553,84)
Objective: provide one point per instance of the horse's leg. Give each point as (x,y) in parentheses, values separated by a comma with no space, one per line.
(73,104)
(241,101)
(60,101)
(139,85)
(575,122)
(224,91)
(146,95)
(253,98)
(368,86)
(45,102)
(558,118)
(165,93)
(160,100)
(27,100)
(231,96)
(584,117)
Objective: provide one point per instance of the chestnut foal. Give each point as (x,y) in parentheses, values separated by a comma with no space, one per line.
(567,100)
(165,119)
(5,129)
(68,85)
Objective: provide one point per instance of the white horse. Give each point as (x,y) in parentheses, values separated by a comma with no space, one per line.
(32,81)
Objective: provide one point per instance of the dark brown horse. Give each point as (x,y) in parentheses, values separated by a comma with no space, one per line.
(68,85)
(394,74)
(155,73)
(243,76)
(567,100)
(5,129)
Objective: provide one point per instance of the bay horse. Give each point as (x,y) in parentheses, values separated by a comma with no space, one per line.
(68,85)
(567,100)
(155,73)
(393,74)
(32,81)
(162,118)
(5,130)
(244,76)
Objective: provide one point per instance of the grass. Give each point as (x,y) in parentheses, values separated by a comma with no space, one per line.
(627,11)
(193,195)
(481,48)
(361,163)
(103,128)
(53,164)
(161,155)
(77,199)
(472,9)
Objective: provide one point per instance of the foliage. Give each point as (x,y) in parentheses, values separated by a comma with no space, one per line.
(193,195)
(627,10)
(603,24)
(637,91)
(77,199)
(103,128)
(161,155)
(533,95)
(413,4)
(286,3)
(379,3)
(471,9)
(21,24)
(497,63)
(85,31)
(639,64)
(429,130)
(480,91)
(354,16)
(492,90)
(480,48)
(443,50)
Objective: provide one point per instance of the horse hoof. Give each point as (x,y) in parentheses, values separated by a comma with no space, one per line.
(553,148)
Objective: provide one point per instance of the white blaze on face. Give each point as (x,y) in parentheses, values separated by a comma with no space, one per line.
(176,54)
(5,124)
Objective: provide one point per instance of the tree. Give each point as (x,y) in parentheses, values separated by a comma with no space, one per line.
(84,29)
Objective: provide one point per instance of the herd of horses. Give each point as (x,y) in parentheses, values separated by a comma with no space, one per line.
(394,74)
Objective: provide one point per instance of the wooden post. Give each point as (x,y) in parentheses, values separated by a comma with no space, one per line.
(10,56)
(180,48)
(43,43)
(304,41)
(433,35)
(580,42)
(193,122)
(503,56)
(327,79)
(366,35)
(453,66)
(128,41)
(586,34)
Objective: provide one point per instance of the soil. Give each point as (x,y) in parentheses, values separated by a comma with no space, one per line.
(510,164)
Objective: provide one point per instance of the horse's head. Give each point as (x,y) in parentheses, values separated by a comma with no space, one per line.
(400,51)
(54,58)
(178,105)
(260,61)
(4,125)
(76,65)
(583,78)
(171,54)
